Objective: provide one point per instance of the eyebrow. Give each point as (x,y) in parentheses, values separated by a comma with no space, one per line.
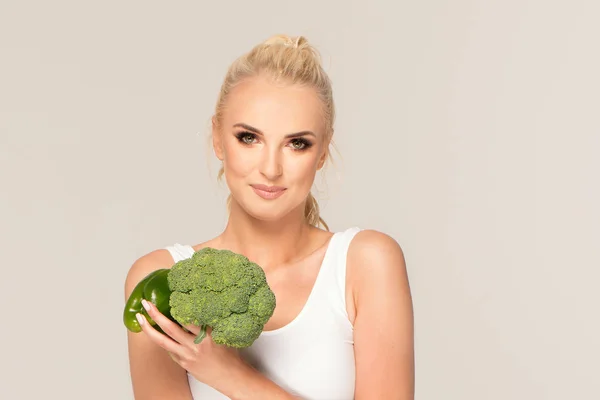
(290,135)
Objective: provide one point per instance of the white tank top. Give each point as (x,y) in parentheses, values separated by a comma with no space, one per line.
(313,356)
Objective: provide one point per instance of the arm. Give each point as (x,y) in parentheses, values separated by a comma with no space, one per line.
(154,374)
(383,326)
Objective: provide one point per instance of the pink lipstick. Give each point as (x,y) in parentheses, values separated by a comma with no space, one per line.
(268,192)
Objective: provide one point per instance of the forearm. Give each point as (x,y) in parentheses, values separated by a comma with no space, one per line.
(249,384)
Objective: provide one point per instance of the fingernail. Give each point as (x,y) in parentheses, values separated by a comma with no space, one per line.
(140,318)
(146,305)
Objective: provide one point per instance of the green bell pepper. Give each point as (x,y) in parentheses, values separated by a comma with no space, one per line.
(154,288)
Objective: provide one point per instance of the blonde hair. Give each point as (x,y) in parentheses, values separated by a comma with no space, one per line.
(290,60)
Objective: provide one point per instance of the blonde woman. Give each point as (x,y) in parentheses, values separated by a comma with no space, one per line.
(343,324)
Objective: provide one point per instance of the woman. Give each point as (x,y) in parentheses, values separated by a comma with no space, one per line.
(343,324)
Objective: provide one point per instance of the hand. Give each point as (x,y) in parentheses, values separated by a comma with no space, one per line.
(208,362)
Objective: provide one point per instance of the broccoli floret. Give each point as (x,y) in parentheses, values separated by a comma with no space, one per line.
(222,290)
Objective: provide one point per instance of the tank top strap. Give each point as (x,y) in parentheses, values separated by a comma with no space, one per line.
(343,245)
(332,286)
(180,252)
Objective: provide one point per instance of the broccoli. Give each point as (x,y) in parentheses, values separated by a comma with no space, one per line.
(222,290)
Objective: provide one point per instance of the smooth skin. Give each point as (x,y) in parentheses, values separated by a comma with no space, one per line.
(253,141)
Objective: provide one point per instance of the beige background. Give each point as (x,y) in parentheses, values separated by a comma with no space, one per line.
(468,130)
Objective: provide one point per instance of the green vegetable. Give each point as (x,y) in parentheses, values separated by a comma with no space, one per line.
(213,288)
(222,290)
(154,288)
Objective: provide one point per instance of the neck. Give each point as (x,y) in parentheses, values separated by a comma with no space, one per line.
(267,243)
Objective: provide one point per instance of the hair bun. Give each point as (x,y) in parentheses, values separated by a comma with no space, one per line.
(298,42)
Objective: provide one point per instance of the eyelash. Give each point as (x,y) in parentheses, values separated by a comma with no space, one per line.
(300,141)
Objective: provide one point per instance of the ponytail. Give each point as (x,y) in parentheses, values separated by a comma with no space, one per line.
(312,213)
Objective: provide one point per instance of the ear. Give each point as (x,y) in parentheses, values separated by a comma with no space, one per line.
(216,138)
(324,155)
(322,159)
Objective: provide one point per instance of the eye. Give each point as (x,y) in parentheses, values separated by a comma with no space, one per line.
(300,144)
(246,137)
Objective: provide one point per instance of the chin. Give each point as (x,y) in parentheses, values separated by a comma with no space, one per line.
(268,212)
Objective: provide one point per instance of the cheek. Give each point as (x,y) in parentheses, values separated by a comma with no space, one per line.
(301,170)
(238,161)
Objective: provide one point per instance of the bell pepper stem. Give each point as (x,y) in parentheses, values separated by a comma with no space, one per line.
(201,335)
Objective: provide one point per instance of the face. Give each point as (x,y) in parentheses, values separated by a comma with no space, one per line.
(272,142)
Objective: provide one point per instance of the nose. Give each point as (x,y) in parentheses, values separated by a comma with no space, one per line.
(270,163)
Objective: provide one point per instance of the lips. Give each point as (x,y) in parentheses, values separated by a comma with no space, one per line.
(268,192)
(266,188)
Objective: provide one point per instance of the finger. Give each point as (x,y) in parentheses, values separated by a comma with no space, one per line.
(193,329)
(199,333)
(161,340)
(169,327)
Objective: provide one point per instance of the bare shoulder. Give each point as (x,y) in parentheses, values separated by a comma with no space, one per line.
(370,240)
(375,252)
(375,265)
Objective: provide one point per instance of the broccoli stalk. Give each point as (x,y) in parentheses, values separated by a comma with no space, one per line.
(201,335)
(222,290)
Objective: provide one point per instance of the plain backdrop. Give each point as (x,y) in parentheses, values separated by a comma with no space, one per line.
(467,129)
